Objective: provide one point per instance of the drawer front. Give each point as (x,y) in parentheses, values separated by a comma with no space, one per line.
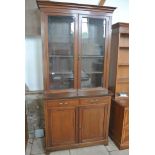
(61,103)
(94,100)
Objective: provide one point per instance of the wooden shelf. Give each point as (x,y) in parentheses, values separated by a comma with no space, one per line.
(124,34)
(122,80)
(94,72)
(54,73)
(60,56)
(124,47)
(91,56)
(123,64)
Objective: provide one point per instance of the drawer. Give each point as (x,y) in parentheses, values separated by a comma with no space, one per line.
(94,100)
(60,103)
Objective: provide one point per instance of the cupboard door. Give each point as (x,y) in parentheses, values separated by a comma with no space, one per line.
(93,122)
(92,51)
(61,126)
(61,52)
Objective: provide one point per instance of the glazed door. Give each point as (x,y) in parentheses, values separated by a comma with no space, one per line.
(92,52)
(61,52)
(93,122)
(61,126)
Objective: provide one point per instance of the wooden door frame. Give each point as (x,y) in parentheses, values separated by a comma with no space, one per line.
(106,53)
(44,32)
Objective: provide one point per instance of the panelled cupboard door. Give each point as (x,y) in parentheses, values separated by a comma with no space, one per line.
(61,126)
(93,122)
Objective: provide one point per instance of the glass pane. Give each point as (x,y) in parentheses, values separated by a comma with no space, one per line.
(92,72)
(92,64)
(91,80)
(61,51)
(92,54)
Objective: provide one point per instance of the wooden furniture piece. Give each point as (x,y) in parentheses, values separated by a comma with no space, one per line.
(119,60)
(119,85)
(119,122)
(76,50)
(76,122)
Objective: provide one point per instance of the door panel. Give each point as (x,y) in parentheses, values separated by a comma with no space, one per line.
(61,126)
(93,122)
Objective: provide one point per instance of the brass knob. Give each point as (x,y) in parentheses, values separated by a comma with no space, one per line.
(94,100)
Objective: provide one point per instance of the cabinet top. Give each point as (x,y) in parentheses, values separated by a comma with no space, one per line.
(122,102)
(50,4)
(120,24)
(72,96)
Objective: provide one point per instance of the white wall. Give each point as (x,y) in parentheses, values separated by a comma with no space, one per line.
(33,46)
(91,2)
(33,67)
(121,14)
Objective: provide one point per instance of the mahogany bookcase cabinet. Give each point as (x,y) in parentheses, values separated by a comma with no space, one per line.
(76,53)
(119,85)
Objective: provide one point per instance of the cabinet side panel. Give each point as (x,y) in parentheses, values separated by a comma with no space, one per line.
(113,60)
(116,122)
(44,49)
(125,133)
(107,52)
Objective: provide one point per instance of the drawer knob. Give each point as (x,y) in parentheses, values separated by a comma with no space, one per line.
(66,103)
(94,100)
(60,103)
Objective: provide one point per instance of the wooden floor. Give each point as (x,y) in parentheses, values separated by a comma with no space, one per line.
(35,147)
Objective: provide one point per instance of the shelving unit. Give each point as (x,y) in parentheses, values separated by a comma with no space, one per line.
(76,49)
(119,85)
(119,60)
